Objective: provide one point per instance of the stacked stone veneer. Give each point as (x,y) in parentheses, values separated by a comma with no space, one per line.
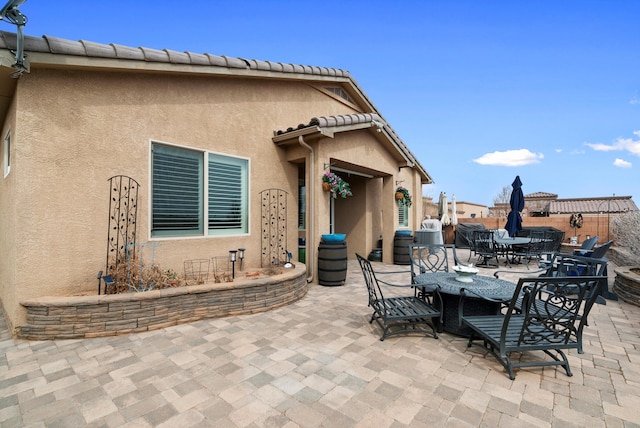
(114,314)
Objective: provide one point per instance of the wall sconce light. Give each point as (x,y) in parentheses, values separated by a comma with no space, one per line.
(232,258)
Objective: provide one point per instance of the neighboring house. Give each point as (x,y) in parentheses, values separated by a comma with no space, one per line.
(471,210)
(204,136)
(542,204)
(463,209)
(592,206)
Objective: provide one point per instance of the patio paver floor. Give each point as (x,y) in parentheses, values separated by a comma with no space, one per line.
(315,363)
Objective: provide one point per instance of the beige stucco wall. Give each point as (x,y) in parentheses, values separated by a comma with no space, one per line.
(465,210)
(373,210)
(8,232)
(76,129)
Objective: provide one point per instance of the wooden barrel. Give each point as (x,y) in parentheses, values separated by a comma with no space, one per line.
(401,249)
(332,263)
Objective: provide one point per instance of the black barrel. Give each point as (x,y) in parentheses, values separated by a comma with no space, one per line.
(332,263)
(375,255)
(401,244)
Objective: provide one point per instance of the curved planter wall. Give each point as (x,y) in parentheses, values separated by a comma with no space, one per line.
(77,317)
(627,284)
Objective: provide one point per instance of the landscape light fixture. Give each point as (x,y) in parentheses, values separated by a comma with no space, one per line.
(11,13)
(232,258)
(241,255)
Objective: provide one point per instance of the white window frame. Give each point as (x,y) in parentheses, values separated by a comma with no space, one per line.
(239,189)
(6,153)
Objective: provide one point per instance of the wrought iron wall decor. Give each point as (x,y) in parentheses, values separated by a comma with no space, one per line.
(121,235)
(273,204)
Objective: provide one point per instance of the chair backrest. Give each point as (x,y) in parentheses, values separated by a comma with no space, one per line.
(483,241)
(588,244)
(552,307)
(376,298)
(555,240)
(567,265)
(600,251)
(428,258)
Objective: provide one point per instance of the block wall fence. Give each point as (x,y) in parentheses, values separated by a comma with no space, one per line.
(591,226)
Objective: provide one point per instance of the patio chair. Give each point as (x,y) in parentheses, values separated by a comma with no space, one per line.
(570,266)
(552,243)
(532,250)
(398,314)
(471,241)
(599,252)
(553,313)
(424,259)
(587,245)
(485,248)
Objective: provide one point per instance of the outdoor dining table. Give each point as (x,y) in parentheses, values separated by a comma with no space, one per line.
(507,246)
(475,297)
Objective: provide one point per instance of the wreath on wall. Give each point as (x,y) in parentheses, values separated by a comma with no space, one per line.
(575,221)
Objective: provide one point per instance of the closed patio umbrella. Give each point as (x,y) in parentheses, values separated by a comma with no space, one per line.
(514,220)
(444,218)
(454,214)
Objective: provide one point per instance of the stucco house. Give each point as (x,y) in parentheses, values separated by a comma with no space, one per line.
(219,129)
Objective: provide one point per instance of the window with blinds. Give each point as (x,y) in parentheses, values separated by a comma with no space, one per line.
(179,197)
(227,194)
(403,215)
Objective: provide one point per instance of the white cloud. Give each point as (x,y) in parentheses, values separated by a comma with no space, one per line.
(622,163)
(510,158)
(621,144)
(558,150)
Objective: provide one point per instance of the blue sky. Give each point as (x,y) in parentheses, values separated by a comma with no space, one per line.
(480,91)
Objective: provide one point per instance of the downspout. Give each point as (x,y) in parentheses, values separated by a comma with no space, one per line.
(310,210)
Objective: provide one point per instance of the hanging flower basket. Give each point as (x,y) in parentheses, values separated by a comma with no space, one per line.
(403,197)
(335,185)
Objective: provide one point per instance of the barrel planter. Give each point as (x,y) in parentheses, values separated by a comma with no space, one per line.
(332,263)
(401,242)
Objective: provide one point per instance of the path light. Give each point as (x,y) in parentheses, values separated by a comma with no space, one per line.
(241,255)
(232,258)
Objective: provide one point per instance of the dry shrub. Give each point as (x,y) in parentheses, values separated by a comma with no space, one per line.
(136,276)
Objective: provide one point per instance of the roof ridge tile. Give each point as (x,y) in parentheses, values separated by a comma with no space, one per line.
(98,49)
(176,57)
(154,55)
(128,52)
(65,46)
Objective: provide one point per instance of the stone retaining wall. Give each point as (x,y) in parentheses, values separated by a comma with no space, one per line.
(77,317)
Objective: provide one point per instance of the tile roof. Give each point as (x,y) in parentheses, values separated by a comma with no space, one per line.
(593,205)
(366,119)
(56,45)
(541,195)
(83,48)
(339,120)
